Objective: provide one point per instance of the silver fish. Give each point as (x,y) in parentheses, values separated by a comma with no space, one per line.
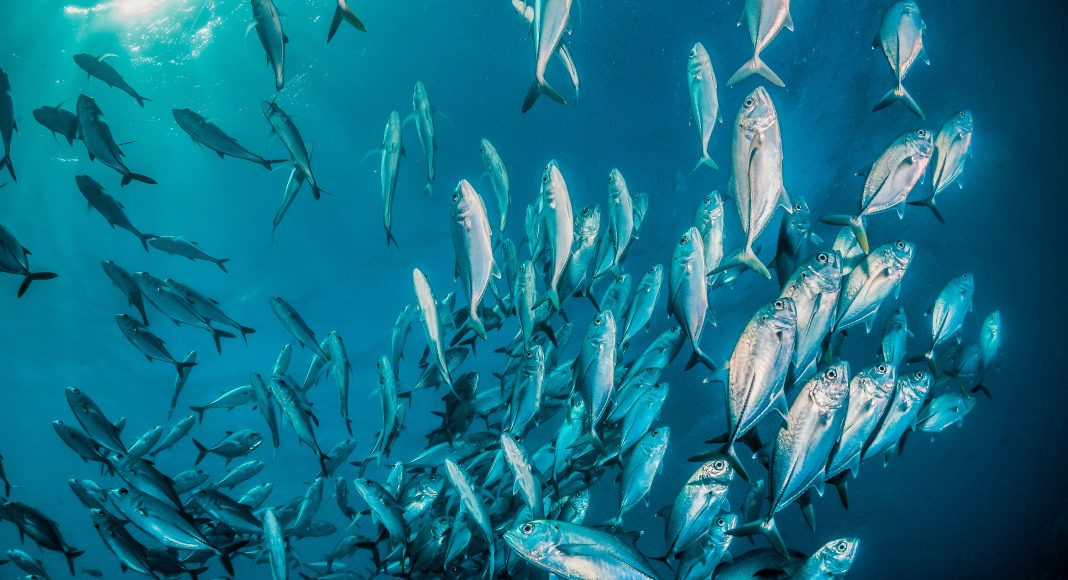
(704,99)
(814,288)
(595,368)
(909,393)
(895,336)
(577,552)
(901,38)
(796,241)
(953,304)
(563,53)
(549,24)
(694,510)
(709,221)
(687,299)
(294,323)
(473,507)
(343,12)
(208,134)
(428,314)
(700,560)
(870,284)
(869,396)
(7,123)
(179,246)
(953,148)
(497,173)
(472,242)
(423,115)
(620,226)
(944,411)
(147,343)
(764,19)
(559,221)
(283,127)
(388,169)
(640,468)
(644,302)
(268,24)
(275,541)
(833,560)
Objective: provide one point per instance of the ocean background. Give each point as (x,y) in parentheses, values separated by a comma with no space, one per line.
(980,501)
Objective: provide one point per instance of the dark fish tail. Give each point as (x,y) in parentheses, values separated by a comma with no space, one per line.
(899,93)
(218,334)
(6,162)
(245,331)
(70,555)
(840,483)
(200,412)
(699,356)
(983,388)
(855,222)
(390,239)
(537,88)
(930,204)
(31,276)
(202,451)
(131,176)
(768,529)
(141,100)
(144,239)
(744,258)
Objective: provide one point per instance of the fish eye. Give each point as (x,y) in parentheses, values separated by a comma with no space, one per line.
(123,491)
(719,465)
(656,432)
(918,375)
(900,245)
(881,369)
(832,374)
(842,547)
(961,114)
(921,133)
(693,53)
(797,207)
(683,240)
(822,258)
(708,200)
(749,101)
(456,197)
(597,321)
(527,528)
(779,304)
(545,178)
(721,522)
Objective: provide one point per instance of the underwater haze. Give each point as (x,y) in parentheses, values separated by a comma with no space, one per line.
(982,499)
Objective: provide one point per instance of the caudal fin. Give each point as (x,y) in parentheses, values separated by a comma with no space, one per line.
(245,331)
(705,161)
(141,100)
(222,264)
(30,277)
(930,204)
(202,451)
(6,162)
(699,356)
(70,555)
(217,335)
(746,258)
(269,162)
(899,93)
(144,239)
(390,239)
(334,23)
(476,326)
(537,88)
(756,66)
(927,357)
(768,529)
(854,222)
(130,176)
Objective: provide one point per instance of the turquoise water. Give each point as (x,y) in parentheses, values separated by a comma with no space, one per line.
(975,501)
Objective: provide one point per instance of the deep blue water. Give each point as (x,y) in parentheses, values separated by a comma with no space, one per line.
(983,500)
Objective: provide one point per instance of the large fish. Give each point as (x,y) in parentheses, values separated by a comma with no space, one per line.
(472,242)
(953,148)
(757,372)
(423,116)
(274,540)
(620,226)
(572,551)
(282,125)
(99,142)
(871,283)
(803,446)
(694,509)
(814,288)
(640,467)
(550,22)
(700,560)
(7,122)
(704,99)
(58,120)
(40,528)
(901,38)
(13,260)
(268,24)
(559,223)
(388,169)
(953,304)
(563,53)
(208,134)
(764,19)
(890,180)
(471,504)
(869,395)
(527,478)
(688,292)
(909,393)
(595,368)
(108,207)
(95,66)
(756,179)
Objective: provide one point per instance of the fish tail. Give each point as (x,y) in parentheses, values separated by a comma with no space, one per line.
(982,388)
(768,529)
(475,324)
(927,357)
(429,187)
(755,66)
(705,161)
(141,100)
(31,276)
(144,239)
(70,555)
(200,412)
(216,335)
(699,356)
(745,258)
(222,264)
(269,162)
(899,93)
(6,162)
(930,204)
(839,483)
(734,460)
(202,451)
(537,88)
(390,239)
(245,331)
(335,22)
(854,222)
(131,176)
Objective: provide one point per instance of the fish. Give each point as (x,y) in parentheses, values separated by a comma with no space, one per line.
(952,149)
(423,116)
(528,391)
(204,132)
(796,241)
(94,66)
(99,142)
(550,22)
(756,175)
(803,446)
(847,246)
(235,444)
(297,415)
(13,260)
(392,411)
(640,468)
(180,246)
(869,285)
(401,327)
(687,299)
(384,507)
(889,182)
(702,557)
(283,127)
(704,100)
(146,442)
(639,412)
(832,560)
(765,20)
(595,368)
(895,336)
(814,289)
(563,53)
(142,476)
(275,541)
(229,400)
(709,222)
(289,195)
(236,516)
(242,473)
(694,511)
(616,297)
(944,411)
(577,552)
(343,12)
(180,379)
(901,38)
(294,323)
(989,347)
(527,478)
(869,395)
(910,391)
(472,506)
(208,308)
(577,279)
(57,120)
(130,553)
(473,245)
(558,222)
(620,226)
(953,304)
(176,307)
(190,479)
(8,125)
(40,528)
(644,302)
(268,23)
(757,372)
(103,432)
(107,206)
(497,174)
(147,343)
(309,505)
(176,434)
(428,315)
(255,497)
(392,150)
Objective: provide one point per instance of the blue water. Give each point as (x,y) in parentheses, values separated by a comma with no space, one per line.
(983,500)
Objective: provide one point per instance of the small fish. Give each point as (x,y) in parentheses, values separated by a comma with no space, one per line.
(527,478)
(497,173)
(283,127)
(242,473)
(709,222)
(428,313)
(389,168)
(953,304)
(765,19)
(294,323)
(146,442)
(644,302)
(796,241)
(343,12)
(549,24)
(275,541)
(814,288)
(95,66)
(704,100)
(473,246)
(176,434)
(952,148)
(694,510)
(895,336)
(559,223)
(229,400)
(268,23)
(233,445)
(901,38)
(833,560)
(147,343)
(869,395)
(869,285)
(700,560)
(910,391)
(99,142)
(595,368)
(471,505)
(7,122)
(687,299)
(640,468)
(208,134)
(179,246)
(208,308)
(108,207)
(58,120)
(423,115)
(989,347)
(13,260)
